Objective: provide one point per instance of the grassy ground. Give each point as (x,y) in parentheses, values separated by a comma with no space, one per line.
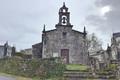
(76,67)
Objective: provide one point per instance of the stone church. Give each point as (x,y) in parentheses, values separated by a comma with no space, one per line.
(64,42)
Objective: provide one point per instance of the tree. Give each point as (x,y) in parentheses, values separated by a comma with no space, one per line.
(94,44)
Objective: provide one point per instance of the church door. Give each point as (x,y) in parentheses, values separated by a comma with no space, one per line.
(65,55)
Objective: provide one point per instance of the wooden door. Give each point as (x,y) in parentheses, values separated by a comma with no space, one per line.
(65,55)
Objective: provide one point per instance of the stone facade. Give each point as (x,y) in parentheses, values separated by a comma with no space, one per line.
(6,50)
(115,46)
(1,51)
(37,50)
(99,60)
(64,42)
(27,51)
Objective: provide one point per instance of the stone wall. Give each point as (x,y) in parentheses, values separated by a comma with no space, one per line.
(37,50)
(1,51)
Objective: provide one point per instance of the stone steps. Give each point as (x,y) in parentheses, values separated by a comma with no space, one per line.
(74,75)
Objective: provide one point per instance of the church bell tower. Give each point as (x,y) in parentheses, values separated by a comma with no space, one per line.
(64,17)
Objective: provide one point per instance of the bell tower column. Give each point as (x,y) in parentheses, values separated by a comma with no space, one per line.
(64,17)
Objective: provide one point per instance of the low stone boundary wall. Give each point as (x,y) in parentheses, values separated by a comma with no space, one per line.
(76,75)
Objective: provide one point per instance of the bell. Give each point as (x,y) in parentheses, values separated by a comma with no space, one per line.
(64,20)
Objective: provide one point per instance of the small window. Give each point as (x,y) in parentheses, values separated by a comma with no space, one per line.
(64,10)
(64,34)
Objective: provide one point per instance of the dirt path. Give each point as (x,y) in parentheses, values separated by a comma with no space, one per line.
(6,78)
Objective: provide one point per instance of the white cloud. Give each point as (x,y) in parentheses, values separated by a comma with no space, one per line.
(105,10)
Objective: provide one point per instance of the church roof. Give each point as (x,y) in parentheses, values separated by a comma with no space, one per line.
(72,30)
(78,31)
(37,44)
(51,30)
(115,35)
(1,46)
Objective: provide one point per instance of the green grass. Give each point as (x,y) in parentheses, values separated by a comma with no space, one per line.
(76,67)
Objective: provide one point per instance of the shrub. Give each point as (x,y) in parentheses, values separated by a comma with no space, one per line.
(43,68)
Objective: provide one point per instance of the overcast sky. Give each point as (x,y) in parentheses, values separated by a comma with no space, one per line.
(21,21)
